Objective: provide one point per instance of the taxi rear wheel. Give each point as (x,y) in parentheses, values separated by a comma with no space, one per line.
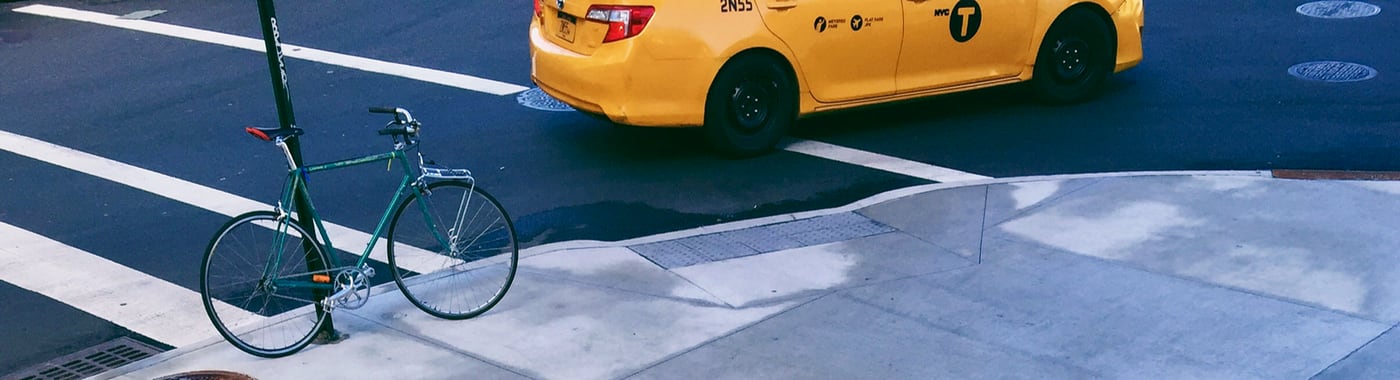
(1074,59)
(750,106)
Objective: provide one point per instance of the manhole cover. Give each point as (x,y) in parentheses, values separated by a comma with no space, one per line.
(208,375)
(1332,71)
(537,99)
(1338,9)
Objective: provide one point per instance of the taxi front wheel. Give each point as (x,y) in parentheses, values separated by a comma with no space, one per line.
(1074,59)
(750,106)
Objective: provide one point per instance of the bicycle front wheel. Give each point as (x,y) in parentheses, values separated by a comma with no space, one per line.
(453,250)
(257,284)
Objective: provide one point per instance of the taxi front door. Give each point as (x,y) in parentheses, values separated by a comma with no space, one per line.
(954,42)
(846,49)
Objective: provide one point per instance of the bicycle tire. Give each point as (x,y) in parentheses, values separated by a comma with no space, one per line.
(472,273)
(262,320)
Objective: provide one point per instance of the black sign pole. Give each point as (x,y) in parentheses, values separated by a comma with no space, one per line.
(272,39)
(287,118)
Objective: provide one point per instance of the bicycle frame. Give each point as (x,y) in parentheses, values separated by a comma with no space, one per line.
(470,244)
(296,184)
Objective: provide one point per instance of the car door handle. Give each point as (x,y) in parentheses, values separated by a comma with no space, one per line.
(789,4)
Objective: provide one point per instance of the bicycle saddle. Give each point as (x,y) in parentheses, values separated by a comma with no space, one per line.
(269,134)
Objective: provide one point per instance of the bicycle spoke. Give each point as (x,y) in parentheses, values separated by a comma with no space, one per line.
(249,301)
(468,270)
(236,284)
(478,236)
(254,266)
(457,223)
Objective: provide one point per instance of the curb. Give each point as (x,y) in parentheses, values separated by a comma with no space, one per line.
(863,203)
(731,226)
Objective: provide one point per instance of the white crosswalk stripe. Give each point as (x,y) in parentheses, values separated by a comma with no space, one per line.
(190,193)
(466,82)
(880,162)
(129,298)
(153,307)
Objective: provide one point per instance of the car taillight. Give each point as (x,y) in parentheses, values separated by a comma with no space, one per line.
(539,14)
(623,21)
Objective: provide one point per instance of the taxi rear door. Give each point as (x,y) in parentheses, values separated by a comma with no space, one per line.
(846,49)
(952,42)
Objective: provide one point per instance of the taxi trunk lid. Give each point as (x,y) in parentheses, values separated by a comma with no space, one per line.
(582,26)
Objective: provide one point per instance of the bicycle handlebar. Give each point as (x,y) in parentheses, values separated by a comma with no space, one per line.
(403,124)
(401,116)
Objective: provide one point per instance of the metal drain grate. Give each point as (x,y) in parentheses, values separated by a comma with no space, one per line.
(720,246)
(537,99)
(1332,71)
(1338,9)
(88,362)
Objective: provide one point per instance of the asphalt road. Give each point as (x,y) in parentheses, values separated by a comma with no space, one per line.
(1213,94)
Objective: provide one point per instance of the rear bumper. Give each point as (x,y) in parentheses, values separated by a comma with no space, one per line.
(621,83)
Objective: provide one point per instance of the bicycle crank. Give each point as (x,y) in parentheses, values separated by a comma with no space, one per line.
(351,289)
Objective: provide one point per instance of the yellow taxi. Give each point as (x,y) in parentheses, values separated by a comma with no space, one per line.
(744,70)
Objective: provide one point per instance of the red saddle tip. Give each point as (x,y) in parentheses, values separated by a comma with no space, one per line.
(256,133)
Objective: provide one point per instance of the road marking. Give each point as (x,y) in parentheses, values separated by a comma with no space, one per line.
(181,190)
(813,148)
(445,78)
(879,161)
(137,301)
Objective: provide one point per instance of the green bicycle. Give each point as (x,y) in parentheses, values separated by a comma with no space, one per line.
(268,285)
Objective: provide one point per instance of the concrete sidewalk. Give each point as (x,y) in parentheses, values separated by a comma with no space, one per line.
(1177,275)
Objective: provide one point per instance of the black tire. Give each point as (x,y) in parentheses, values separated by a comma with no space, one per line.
(750,106)
(246,308)
(463,278)
(1075,58)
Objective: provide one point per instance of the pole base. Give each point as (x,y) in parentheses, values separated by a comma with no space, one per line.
(330,336)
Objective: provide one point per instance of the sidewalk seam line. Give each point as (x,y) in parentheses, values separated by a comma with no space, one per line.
(1276,298)
(928,324)
(1353,352)
(697,286)
(710,341)
(982,232)
(1047,202)
(690,301)
(441,345)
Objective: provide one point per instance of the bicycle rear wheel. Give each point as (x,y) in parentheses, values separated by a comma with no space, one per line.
(257,286)
(453,250)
